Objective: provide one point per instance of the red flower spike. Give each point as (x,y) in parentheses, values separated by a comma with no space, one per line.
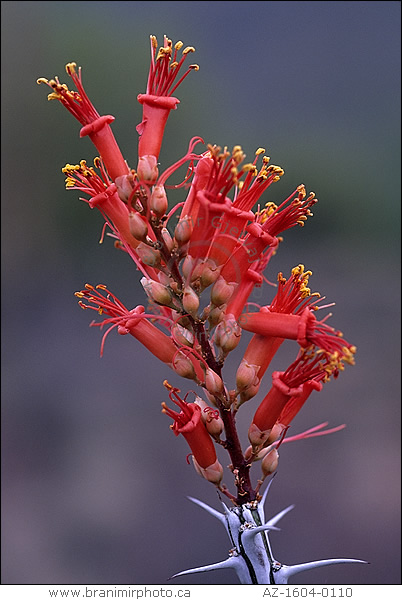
(96,127)
(188,422)
(158,100)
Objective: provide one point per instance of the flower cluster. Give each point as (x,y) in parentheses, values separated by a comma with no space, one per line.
(199,262)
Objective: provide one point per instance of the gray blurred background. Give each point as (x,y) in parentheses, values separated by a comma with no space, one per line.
(94,482)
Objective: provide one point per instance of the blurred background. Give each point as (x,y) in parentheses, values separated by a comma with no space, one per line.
(94,482)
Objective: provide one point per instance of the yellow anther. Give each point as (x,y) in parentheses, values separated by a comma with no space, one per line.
(299,270)
(168,387)
(162,52)
(178,45)
(188,49)
(277,170)
(259,151)
(195,67)
(302,190)
(154,41)
(42,80)
(69,167)
(101,286)
(53,96)
(88,286)
(250,167)
(70,68)
(79,294)
(173,65)
(100,311)
(83,306)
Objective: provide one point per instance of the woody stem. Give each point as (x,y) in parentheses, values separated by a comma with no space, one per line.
(240,467)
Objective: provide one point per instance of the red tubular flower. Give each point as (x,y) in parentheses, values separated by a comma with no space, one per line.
(290,389)
(292,297)
(104,196)
(247,193)
(96,127)
(158,100)
(270,222)
(301,326)
(189,423)
(133,321)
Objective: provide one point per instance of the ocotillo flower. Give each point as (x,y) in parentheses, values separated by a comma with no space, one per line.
(189,423)
(305,374)
(95,126)
(157,103)
(304,327)
(135,321)
(292,297)
(103,195)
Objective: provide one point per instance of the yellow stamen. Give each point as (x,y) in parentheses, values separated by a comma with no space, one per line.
(70,68)
(302,190)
